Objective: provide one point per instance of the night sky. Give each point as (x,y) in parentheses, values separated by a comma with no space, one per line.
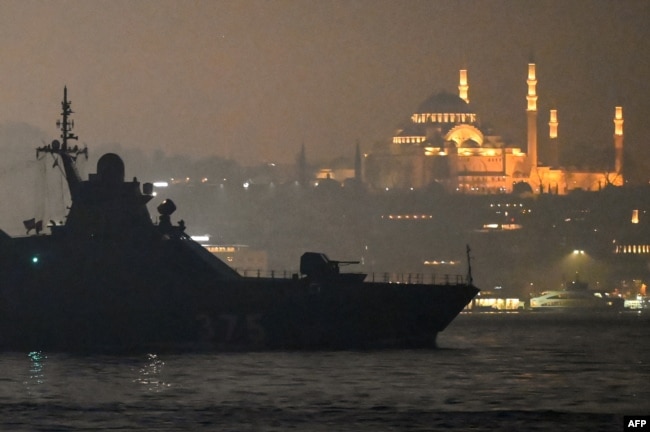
(254,80)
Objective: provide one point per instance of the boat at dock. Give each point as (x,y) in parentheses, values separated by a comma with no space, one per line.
(110,279)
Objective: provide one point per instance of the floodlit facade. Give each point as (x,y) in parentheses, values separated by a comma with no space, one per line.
(443,143)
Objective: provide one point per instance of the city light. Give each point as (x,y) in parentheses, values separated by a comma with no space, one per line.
(440,262)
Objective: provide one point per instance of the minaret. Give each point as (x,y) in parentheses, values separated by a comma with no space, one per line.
(463,87)
(618,141)
(553,160)
(531,114)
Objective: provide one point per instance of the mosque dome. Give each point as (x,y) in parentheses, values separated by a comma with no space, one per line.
(444,102)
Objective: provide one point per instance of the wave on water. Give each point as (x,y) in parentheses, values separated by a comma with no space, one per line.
(117,416)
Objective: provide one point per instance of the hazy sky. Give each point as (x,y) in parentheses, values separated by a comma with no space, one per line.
(253,80)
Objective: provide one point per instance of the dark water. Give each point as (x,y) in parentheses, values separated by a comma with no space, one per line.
(493,372)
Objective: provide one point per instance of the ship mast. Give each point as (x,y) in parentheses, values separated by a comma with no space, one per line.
(64,124)
(68,155)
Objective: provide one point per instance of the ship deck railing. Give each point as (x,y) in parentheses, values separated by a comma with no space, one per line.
(384,277)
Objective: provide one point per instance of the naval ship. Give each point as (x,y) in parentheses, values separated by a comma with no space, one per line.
(110,278)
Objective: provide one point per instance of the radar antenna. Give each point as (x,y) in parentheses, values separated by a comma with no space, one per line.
(64,124)
(67,154)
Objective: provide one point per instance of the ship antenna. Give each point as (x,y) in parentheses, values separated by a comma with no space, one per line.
(68,155)
(64,124)
(470,280)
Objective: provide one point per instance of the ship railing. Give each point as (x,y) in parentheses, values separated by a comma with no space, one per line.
(273,274)
(418,278)
(385,277)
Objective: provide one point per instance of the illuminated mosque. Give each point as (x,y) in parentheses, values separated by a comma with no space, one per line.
(444,143)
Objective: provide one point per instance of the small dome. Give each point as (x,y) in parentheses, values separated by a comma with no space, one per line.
(110,169)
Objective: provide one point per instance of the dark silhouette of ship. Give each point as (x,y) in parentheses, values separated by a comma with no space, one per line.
(111,280)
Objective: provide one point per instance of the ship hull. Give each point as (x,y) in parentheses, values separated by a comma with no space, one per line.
(159,298)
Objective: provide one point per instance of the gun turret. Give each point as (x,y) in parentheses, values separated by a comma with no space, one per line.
(317,266)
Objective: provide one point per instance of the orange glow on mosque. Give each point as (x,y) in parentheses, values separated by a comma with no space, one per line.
(443,143)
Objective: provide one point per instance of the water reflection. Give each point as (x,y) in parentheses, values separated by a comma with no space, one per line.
(151,374)
(36,377)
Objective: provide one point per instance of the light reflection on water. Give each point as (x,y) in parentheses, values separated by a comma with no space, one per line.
(151,374)
(36,375)
(510,364)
